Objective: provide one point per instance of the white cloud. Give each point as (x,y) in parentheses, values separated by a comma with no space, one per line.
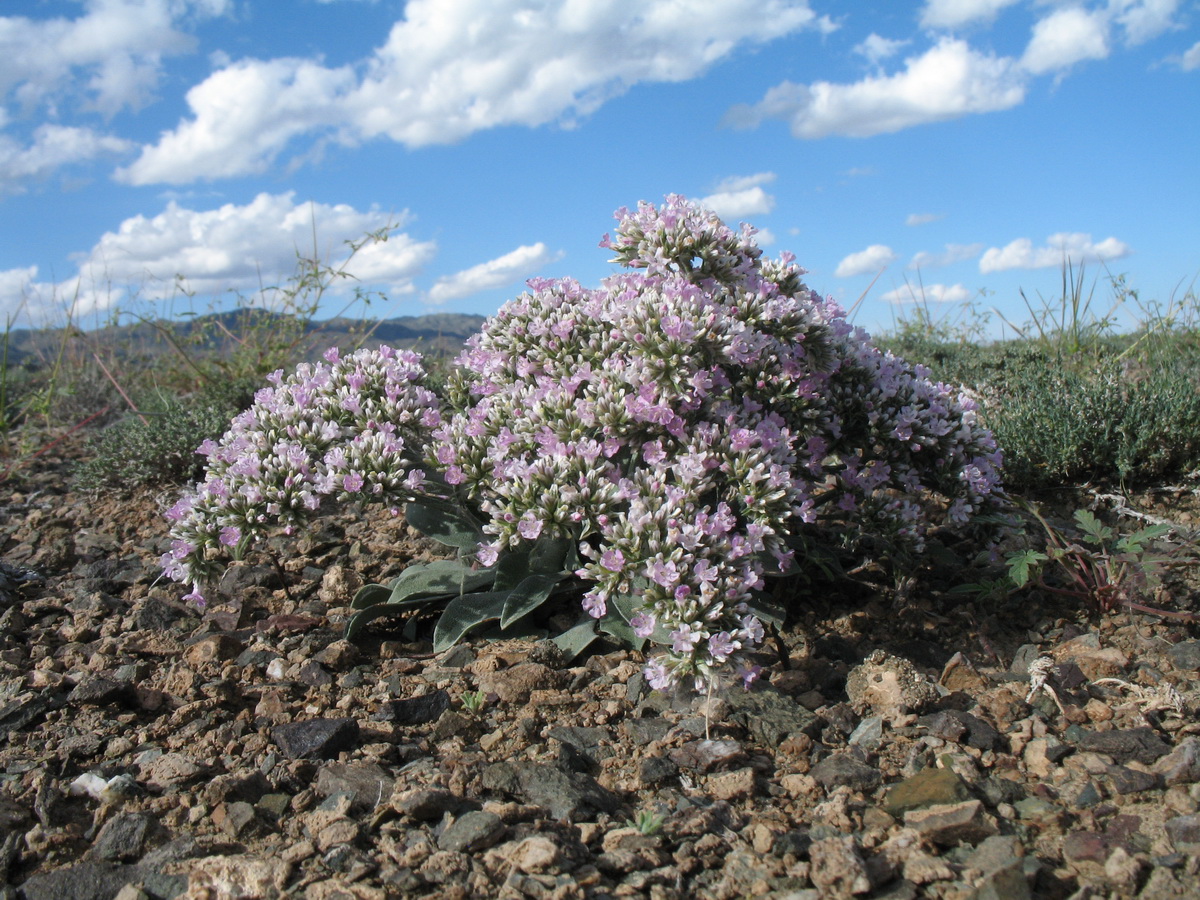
(450,68)
(947,81)
(741,196)
(1065,37)
(53,146)
(1144,19)
(117,44)
(1074,247)
(876,48)
(928,293)
(922,218)
(511,268)
(874,258)
(952,254)
(1191,58)
(959,13)
(232,248)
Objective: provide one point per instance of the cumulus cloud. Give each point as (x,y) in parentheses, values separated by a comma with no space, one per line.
(874,258)
(741,196)
(511,268)
(928,293)
(922,218)
(1065,37)
(1191,58)
(960,13)
(1073,247)
(876,48)
(952,254)
(1144,19)
(53,146)
(451,68)
(117,45)
(947,81)
(232,248)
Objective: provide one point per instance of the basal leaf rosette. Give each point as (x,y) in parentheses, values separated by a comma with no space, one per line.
(349,429)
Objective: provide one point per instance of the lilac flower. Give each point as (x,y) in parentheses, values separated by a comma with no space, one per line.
(352,482)
(722,645)
(683,639)
(230,535)
(643,624)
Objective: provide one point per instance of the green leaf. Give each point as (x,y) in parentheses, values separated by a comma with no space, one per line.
(445,524)
(529,595)
(764,607)
(361,619)
(551,555)
(616,626)
(1136,542)
(370,595)
(512,569)
(1019,565)
(1092,526)
(464,613)
(437,578)
(577,638)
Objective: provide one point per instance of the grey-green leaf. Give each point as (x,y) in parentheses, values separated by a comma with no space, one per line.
(464,613)
(442,576)
(527,596)
(445,525)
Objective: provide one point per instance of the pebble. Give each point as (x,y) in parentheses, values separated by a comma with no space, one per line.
(316,738)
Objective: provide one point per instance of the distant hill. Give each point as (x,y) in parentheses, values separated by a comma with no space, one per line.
(437,334)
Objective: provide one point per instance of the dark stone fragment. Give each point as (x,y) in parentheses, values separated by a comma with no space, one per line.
(248,785)
(929,787)
(123,837)
(840,717)
(501,777)
(793,842)
(1140,744)
(414,710)
(96,690)
(1086,846)
(549,654)
(845,769)
(1184,833)
(237,578)
(656,770)
(567,795)
(1185,656)
(997,790)
(426,804)
(109,575)
(366,783)
(643,731)
(85,881)
(768,715)
(943,725)
(961,727)
(25,710)
(472,831)
(154,614)
(1132,781)
(570,758)
(315,738)
(1089,796)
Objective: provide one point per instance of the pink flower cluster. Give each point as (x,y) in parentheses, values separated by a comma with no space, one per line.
(684,418)
(350,428)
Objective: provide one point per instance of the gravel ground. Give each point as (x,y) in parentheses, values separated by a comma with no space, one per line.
(891,750)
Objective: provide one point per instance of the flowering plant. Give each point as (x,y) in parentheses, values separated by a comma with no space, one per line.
(683,419)
(662,438)
(347,429)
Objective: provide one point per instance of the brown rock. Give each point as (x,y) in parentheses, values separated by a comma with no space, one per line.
(949,824)
(837,868)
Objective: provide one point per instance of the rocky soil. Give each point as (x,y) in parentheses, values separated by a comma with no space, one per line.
(891,750)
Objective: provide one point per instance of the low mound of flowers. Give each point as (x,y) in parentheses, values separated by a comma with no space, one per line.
(676,427)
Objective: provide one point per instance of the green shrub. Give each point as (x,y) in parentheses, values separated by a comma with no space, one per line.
(158,446)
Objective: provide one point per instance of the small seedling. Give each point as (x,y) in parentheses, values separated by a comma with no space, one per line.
(473,701)
(646,822)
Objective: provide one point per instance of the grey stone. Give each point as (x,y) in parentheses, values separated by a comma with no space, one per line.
(1181,765)
(837,868)
(768,715)
(365,783)
(845,769)
(415,710)
(655,770)
(1184,833)
(1140,744)
(85,881)
(704,756)
(1125,780)
(1008,883)
(643,731)
(96,690)
(1025,656)
(316,738)
(868,734)
(123,837)
(425,804)
(567,795)
(1185,656)
(457,657)
(473,831)
(994,853)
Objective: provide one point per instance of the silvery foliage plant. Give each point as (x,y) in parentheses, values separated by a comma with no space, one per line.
(662,439)
(681,421)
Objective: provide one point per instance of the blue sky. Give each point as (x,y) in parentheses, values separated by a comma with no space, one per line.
(957,150)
